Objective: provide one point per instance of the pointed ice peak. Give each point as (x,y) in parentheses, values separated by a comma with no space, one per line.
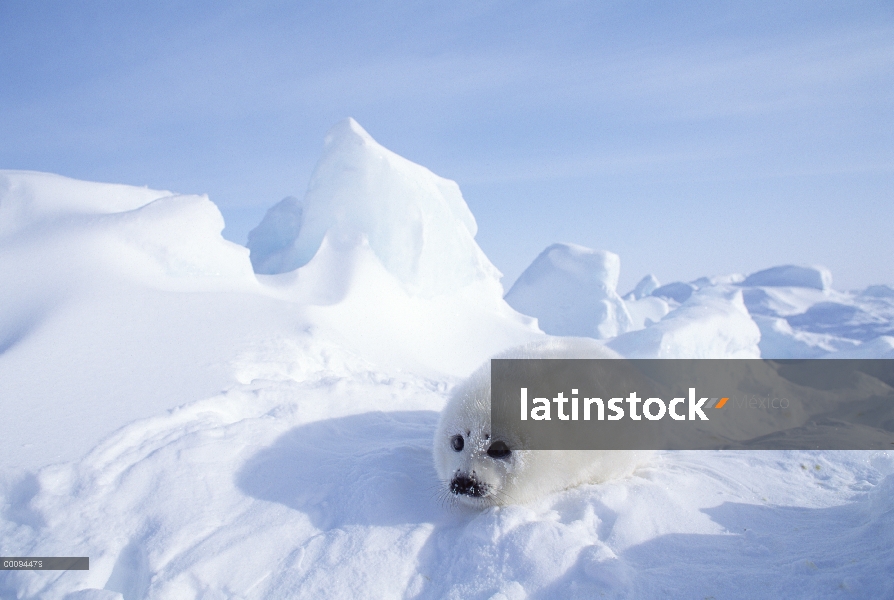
(416,223)
(348,131)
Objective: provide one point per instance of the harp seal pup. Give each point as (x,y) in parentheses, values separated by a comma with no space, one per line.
(478,471)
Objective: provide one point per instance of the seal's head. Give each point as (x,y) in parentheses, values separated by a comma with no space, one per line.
(480,470)
(475,468)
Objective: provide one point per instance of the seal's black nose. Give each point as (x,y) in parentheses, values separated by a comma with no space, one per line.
(467,486)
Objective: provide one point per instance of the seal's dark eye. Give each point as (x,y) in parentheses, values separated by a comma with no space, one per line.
(457,443)
(499,450)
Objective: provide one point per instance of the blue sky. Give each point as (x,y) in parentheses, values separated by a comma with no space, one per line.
(694,139)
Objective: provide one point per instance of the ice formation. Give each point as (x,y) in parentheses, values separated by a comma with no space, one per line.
(572,291)
(272,242)
(645,287)
(646,311)
(791,276)
(416,223)
(780,340)
(712,323)
(677,291)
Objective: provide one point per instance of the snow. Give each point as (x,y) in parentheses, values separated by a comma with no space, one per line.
(572,290)
(271,243)
(712,323)
(646,286)
(803,322)
(96,327)
(31,198)
(646,311)
(416,223)
(791,276)
(677,291)
(880,347)
(878,291)
(202,428)
(847,319)
(779,340)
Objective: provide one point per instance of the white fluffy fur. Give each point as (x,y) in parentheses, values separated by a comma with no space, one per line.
(524,475)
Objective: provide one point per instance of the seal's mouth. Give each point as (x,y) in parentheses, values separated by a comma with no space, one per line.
(463,485)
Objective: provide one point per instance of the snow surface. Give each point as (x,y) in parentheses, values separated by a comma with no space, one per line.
(200,431)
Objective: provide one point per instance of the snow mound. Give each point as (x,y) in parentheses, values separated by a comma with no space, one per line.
(677,291)
(111,309)
(646,311)
(416,223)
(176,237)
(712,323)
(845,319)
(779,340)
(56,229)
(791,276)
(572,291)
(717,280)
(642,289)
(346,289)
(29,198)
(878,291)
